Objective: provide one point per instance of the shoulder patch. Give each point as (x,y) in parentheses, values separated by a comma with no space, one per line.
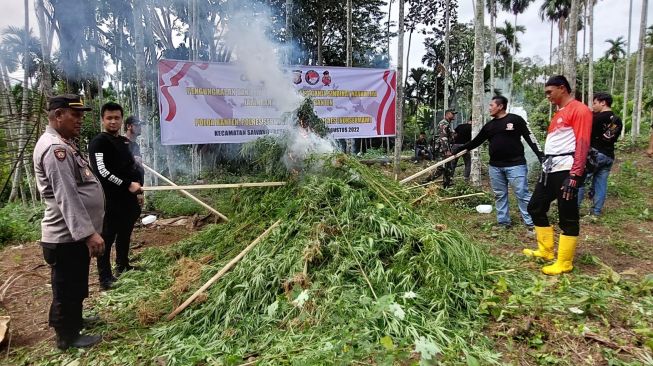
(60,154)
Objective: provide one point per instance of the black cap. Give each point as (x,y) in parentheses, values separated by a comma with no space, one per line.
(452,111)
(71,101)
(133,120)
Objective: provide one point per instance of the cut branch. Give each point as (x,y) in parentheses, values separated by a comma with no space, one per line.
(433,167)
(222,272)
(223,217)
(214,186)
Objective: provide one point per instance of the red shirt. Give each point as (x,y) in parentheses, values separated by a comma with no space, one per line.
(569,132)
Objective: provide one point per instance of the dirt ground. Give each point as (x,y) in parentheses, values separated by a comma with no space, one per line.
(27,300)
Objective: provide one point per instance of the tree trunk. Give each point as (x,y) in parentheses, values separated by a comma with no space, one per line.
(141,92)
(512,65)
(477,90)
(447,30)
(614,69)
(388,27)
(583,82)
(590,71)
(570,68)
(639,75)
(320,39)
(551,63)
(561,45)
(350,142)
(22,129)
(400,92)
(289,56)
(46,33)
(410,40)
(624,112)
(493,42)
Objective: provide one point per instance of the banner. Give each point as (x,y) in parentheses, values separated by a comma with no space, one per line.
(203,103)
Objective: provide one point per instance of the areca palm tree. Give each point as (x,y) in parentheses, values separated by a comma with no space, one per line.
(614,54)
(507,43)
(625,104)
(492,10)
(516,7)
(400,93)
(557,11)
(639,73)
(477,87)
(22,46)
(573,24)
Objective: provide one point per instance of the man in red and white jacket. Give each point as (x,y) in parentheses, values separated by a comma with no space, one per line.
(566,148)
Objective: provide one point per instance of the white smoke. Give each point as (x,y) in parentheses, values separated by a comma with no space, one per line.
(260,58)
(302,145)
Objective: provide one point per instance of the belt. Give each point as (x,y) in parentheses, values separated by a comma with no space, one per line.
(547,165)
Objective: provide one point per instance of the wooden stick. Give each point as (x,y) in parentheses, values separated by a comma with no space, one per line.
(224,270)
(223,217)
(433,167)
(421,198)
(214,186)
(425,184)
(463,196)
(501,271)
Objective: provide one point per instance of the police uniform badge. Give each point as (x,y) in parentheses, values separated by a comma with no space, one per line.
(60,154)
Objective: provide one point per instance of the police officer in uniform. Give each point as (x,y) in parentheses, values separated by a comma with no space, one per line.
(72,222)
(114,164)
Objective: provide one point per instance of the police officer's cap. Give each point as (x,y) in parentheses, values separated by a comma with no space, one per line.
(71,101)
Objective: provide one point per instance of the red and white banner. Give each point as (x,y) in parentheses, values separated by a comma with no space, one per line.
(202,102)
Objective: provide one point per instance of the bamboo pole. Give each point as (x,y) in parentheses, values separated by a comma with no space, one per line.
(214,186)
(463,196)
(224,270)
(433,167)
(223,217)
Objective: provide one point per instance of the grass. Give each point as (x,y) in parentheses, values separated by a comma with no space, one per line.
(20,223)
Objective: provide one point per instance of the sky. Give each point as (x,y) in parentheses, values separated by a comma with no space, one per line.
(610,22)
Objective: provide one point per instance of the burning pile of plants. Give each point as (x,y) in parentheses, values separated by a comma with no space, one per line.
(351,273)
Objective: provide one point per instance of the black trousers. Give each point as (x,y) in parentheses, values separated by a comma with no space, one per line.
(69,264)
(541,200)
(467,158)
(119,219)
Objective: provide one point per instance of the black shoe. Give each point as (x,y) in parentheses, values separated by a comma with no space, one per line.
(90,321)
(80,341)
(129,267)
(107,285)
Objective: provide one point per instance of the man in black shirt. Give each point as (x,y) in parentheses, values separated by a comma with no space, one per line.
(606,128)
(507,161)
(132,131)
(114,164)
(463,134)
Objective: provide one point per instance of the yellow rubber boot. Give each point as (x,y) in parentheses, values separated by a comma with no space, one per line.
(544,243)
(566,251)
